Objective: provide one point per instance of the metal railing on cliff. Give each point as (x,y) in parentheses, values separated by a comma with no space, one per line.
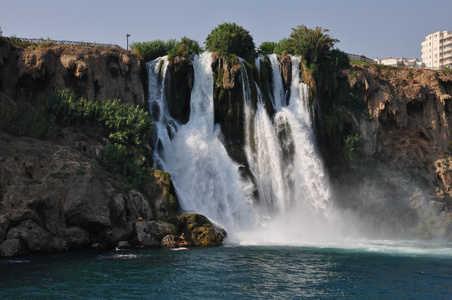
(62,42)
(361,58)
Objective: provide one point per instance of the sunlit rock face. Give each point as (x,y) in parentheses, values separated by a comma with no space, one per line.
(410,124)
(94,73)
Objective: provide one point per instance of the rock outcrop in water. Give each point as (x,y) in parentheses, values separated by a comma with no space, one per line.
(196,230)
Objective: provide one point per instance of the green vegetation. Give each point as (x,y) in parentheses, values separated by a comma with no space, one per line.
(184,48)
(352,146)
(128,128)
(157,48)
(359,62)
(447,69)
(267,47)
(311,44)
(16,42)
(150,50)
(282,47)
(230,38)
(13,40)
(123,123)
(119,161)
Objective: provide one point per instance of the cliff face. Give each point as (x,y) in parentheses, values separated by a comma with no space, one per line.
(409,124)
(93,73)
(54,194)
(402,175)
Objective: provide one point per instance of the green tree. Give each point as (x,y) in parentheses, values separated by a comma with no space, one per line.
(150,50)
(268,47)
(230,38)
(311,44)
(283,46)
(185,47)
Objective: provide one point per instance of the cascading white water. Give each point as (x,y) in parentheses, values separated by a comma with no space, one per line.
(206,179)
(278,96)
(293,197)
(164,126)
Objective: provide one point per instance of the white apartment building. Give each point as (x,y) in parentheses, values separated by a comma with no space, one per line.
(437,50)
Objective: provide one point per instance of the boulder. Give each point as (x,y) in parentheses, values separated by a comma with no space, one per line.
(12,248)
(151,233)
(199,231)
(4,225)
(124,245)
(36,238)
(174,241)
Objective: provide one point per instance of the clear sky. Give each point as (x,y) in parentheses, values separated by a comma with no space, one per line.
(380,28)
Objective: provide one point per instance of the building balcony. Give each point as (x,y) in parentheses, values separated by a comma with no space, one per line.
(447,55)
(446,42)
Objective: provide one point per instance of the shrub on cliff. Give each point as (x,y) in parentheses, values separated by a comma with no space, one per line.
(283,46)
(267,47)
(230,38)
(117,160)
(185,47)
(150,50)
(154,49)
(123,123)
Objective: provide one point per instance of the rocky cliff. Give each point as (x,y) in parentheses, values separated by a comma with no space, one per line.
(94,73)
(405,145)
(55,195)
(409,119)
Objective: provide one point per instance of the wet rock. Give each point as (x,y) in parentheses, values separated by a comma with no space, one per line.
(12,248)
(151,233)
(124,245)
(199,231)
(174,241)
(36,238)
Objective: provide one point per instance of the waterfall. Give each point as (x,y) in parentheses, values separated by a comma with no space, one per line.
(293,198)
(278,95)
(206,179)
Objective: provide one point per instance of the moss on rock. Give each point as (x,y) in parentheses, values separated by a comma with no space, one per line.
(199,231)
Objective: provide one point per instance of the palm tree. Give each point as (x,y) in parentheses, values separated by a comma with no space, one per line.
(311,44)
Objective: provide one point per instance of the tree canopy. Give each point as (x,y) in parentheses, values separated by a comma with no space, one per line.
(230,38)
(311,44)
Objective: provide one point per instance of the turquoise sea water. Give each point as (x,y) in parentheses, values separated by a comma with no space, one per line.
(373,271)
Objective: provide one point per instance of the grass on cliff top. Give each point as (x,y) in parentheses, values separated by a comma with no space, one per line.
(359,62)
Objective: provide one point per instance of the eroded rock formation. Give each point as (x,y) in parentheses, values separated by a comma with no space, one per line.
(94,73)
(410,115)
